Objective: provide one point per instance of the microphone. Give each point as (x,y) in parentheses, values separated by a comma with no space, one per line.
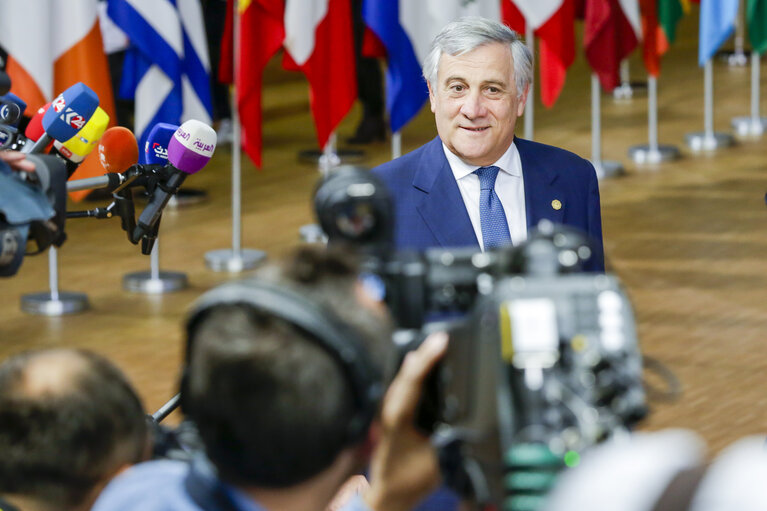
(67,115)
(189,150)
(78,147)
(35,126)
(13,98)
(156,146)
(5,83)
(118,152)
(7,135)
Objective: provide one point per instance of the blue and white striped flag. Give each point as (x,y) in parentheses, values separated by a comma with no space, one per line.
(167,69)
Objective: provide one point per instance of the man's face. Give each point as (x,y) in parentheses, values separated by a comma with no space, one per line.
(475,103)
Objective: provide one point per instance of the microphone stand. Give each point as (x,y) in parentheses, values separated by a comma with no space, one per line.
(154,281)
(54,302)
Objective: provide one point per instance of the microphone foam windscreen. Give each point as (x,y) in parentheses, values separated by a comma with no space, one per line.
(70,111)
(118,149)
(192,146)
(78,147)
(156,147)
(35,127)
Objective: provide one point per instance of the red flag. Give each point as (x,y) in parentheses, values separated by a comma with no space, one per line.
(319,41)
(261,35)
(554,27)
(654,44)
(609,37)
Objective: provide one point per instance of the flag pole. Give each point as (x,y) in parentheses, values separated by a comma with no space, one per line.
(529,110)
(396,145)
(237,259)
(708,139)
(54,302)
(753,125)
(737,57)
(652,152)
(624,90)
(604,169)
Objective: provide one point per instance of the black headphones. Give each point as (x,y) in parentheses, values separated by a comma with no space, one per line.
(335,337)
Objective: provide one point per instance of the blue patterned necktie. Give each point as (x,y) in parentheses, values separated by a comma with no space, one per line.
(492,217)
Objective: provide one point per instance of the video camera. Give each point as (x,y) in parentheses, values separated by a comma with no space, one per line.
(543,360)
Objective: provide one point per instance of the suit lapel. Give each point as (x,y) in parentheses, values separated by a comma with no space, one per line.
(542,200)
(442,207)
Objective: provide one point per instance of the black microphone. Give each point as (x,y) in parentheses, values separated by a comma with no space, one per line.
(5,83)
(188,151)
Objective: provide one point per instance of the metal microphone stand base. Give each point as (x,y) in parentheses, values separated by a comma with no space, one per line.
(44,304)
(233,261)
(702,141)
(749,126)
(164,282)
(607,169)
(644,155)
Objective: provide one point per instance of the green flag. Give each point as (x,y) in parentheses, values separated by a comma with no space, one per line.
(669,13)
(756,17)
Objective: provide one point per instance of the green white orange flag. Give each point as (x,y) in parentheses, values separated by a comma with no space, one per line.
(659,21)
(756,18)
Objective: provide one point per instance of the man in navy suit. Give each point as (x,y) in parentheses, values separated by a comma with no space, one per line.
(476,184)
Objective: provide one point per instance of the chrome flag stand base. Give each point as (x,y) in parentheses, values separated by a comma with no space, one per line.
(607,169)
(704,141)
(233,261)
(645,155)
(45,304)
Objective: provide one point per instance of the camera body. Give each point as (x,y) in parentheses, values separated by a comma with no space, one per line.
(542,357)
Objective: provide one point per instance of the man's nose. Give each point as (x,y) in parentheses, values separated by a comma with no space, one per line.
(473,105)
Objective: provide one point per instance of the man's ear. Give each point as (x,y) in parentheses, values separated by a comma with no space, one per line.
(523,101)
(431,97)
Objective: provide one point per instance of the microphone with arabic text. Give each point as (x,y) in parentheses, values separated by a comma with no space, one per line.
(189,150)
(74,150)
(67,115)
(118,152)
(156,146)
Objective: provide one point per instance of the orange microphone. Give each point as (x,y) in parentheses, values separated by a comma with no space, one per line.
(118,151)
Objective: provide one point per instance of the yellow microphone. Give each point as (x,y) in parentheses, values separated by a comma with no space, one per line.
(78,147)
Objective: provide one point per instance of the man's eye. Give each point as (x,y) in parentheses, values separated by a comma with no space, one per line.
(457,88)
(493,90)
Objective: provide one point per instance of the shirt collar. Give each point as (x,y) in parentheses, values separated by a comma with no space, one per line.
(507,163)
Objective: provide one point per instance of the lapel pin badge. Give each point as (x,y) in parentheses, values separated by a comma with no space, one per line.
(556,204)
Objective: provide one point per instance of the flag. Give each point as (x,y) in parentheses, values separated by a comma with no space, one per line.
(261,35)
(612,30)
(756,18)
(167,67)
(659,21)
(407,28)
(46,55)
(717,22)
(319,41)
(553,23)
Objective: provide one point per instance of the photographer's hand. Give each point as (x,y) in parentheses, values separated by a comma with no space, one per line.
(17,161)
(405,468)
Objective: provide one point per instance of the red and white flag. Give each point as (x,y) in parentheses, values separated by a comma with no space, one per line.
(553,23)
(261,35)
(52,45)
(612,30)
(320,42)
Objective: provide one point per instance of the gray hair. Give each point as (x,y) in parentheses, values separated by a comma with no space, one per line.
(471,32)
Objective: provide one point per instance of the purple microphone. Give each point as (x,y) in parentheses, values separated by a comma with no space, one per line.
(189,150)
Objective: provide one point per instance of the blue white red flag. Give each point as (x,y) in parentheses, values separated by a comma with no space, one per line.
(407,28)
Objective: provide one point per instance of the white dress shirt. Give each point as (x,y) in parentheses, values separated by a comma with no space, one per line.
(509,187)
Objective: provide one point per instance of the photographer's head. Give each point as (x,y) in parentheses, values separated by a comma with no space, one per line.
(285,371)
(69,421)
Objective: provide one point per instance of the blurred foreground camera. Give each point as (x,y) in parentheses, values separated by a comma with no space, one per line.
(543,360)
(32,211)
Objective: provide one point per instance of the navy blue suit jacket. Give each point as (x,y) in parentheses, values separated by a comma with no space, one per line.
(429,209)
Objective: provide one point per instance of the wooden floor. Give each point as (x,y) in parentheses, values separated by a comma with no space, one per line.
(687,238)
